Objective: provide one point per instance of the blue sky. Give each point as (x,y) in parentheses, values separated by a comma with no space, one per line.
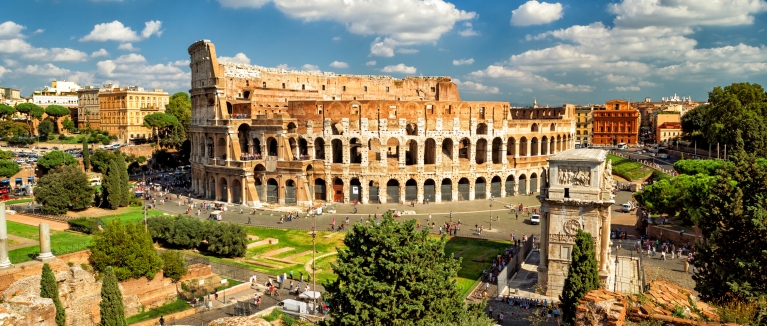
(497,50)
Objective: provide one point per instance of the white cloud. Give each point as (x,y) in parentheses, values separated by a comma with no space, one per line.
(473,87)
(130,58)
(370,63)
(100,53)
(3,71)
(48,70)
(647,84)
(10,30)
(468,31)
(128,47)
(536,13)
(527,90)
(336,38)
(116,31)
(38,31)
(519,77)
(617,79)
(400,68)
(339,65)
(310,67)
(685,13)
(407,51)
(405,22)
(238,58)
(54,54)
(10,62)
(133,69)
(181,63)
(383,48)
(14,46)
(461,62)
(82,78)
(626,89)
(284,66)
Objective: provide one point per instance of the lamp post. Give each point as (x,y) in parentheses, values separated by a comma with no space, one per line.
(616,270)
(314,261)
(491,214)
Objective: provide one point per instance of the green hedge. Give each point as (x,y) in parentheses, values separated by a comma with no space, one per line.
(222,239)
(84,225)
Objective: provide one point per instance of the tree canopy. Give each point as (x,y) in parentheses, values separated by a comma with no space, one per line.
(56,111)
(394,273)
(8,168)
(53,159)
(45,128)
(6,111)
(68,124)
(180,106)
(100,160)
(160,122)
(62,189)
(582,277)
(128,248)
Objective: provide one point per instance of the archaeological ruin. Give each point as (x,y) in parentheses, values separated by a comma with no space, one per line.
(267,135)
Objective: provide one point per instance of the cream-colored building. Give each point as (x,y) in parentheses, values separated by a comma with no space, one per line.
(122,110)
(584,123)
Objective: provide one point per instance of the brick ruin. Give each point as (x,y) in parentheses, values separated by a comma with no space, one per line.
(267,135)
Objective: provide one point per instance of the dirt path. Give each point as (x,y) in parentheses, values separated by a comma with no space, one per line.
(19,242)
(34,221)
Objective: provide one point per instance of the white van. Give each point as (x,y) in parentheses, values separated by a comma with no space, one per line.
(625,208)
(663,155)
(535,219)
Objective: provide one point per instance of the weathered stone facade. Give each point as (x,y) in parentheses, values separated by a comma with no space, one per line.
(576,194)
(295,137)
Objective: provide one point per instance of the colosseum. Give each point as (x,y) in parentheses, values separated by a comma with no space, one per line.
(266,135)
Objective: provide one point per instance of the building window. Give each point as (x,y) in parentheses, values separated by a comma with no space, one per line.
(264,84)
(283,85)
(433,89)
(343,88)
(303,87)
(387,89)
(323,87)
(364,88)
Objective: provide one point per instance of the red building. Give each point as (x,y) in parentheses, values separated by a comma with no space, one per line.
(615,123)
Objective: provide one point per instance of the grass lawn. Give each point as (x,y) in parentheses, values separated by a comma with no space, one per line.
(60,241)
(133,214)
(71,140)
(19,201)
(173,307)
(627,168)
(471,270)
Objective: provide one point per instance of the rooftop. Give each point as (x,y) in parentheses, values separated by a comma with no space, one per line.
(580,155)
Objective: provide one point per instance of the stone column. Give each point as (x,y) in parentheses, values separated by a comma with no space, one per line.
(604,246)
(4,261)
(45,243)
(527,186)
(516,148)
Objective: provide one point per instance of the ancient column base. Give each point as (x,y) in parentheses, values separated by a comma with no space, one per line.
(46,256)
(5,264)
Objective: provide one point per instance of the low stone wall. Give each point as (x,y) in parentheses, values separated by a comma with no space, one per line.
(676,237)
(26,269)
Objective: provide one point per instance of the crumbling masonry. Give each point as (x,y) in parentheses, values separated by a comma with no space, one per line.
(296,137)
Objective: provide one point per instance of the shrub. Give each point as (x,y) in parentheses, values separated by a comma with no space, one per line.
(226,239)
(127,248)
(174,266)
(84,225)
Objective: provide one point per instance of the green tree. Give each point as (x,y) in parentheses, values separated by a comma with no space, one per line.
(187,232)
(127,248)
(393,273)
(112,195)
(707,167)
(173,264)
(6,155)
(124,180)
(44,129)
(62,189)
(101,159)
(29,109)
(86,157)
(8,168)
(13,128)
(582,277)
(111,307)
(6,111)
(159,122)
(732,217)
(180,106)
(68,125)
(49,288)
(53,159)
(226,239)
(55,112)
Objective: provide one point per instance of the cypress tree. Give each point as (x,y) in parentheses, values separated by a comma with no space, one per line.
(111,190)
(122,168)
(582,277)
(50,289)
(86,155)
(111,306)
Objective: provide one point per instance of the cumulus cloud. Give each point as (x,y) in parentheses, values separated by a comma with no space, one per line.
(82,78)
(128,47)
(383,48)
(405,22)
(461,62)
(336,38)
(339,65)
(647,84)
(468,30)
(407,51)
(181,63)
(617,79)
(10,30)
(519,77)
(400,68)
(3,71)
(238,58)
(684,13)
(133,69)
(116,31)
(473,87)
(100,53)
(370,63)
(48,70)
(284,66)
(626,89)
(310,67)
(536,13)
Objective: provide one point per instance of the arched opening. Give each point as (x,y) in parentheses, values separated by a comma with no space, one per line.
(373,192)
(355,190)
(534,146)
(392,148)
(290,192)
(338,190)
(447,150)
(271,144)
(392,191)
(510,149)
(272,188)
(411,129)
(534,127)
(482,129)
(221,149)
(212,188)
(553,127)
(464,147)
(522,185)
(552,143)
(430,152)
(319,149)
(510,185)
(497,151)
(337,148)
(224,190)
(495,187)
(544,146)
(259,189)
(481,155)
(411,190)
(446,188)
(319,189)
(303,149)
(293,147)
(533,183)
(355,151)
(559,143)
(292,128)
(257,147)
(429,190)
(237,191)
(242,135)
(480,188)
(209,147)
(463,189)
(374,150)
(523,147)
(411,155)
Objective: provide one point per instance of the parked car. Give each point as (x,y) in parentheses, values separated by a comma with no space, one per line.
(535,219)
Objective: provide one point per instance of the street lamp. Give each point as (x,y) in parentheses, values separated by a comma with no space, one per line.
(491,214)
(314,262)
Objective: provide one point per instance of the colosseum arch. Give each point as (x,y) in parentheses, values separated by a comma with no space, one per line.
(292,128)
(552,145)
(544,146)
(320,189)
(534,127)
(533,182)
(221,148)
(481,156)
(524,147)
(446,188)
(497,150)
(237,191)
(210,146)
(559,143)
(272,188)
(430,151)
(480,188)
(522,184)
(553,127)
(337,149)
(495,187)
(290,192)
(510,185)
(464,186)
(464,148)
(411,190)
(374,150)
(411,155)
(510,148)
(392,148)
(447,149)
(482,129)
(223,190)
(429,190)
(534,147)
(355,153)
(303,148)
(338,190)
(392,191)
(271,144)
(355,190)
(256,146)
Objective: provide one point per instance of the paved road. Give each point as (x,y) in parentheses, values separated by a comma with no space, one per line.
(667,163)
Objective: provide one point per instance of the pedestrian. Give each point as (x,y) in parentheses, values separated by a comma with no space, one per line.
(162,321)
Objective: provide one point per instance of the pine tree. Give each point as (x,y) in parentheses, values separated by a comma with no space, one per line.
(582,277)
(392,274)
(111,306)
(50,289)
(86,155)
(124,181)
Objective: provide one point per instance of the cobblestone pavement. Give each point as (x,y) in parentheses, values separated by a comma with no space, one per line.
(516,315)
